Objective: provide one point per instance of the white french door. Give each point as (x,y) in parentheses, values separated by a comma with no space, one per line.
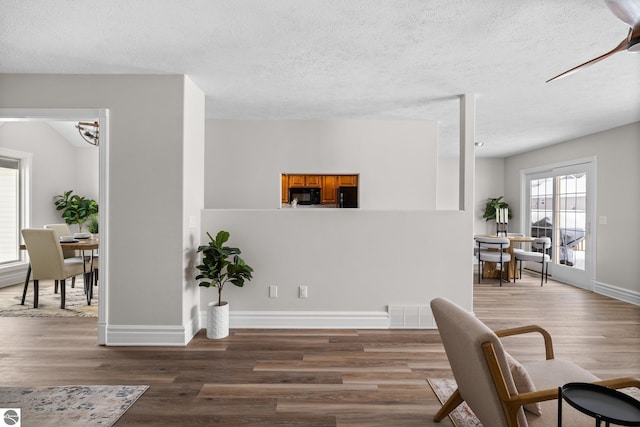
(560,202)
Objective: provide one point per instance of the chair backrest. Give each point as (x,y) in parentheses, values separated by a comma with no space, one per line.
(487,242)
(543,243)
(462,336)
(45,253)
(62,230)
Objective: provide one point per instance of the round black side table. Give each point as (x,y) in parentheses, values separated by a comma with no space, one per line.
(602,403)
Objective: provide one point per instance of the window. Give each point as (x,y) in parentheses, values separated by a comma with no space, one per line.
(14,168)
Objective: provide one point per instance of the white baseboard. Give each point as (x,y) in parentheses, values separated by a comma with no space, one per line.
(13,274)
(150,335)
(618,293)
(306,319)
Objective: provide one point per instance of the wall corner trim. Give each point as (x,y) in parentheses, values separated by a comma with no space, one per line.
(151,335)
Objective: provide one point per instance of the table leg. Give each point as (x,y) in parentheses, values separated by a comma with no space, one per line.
(559,406)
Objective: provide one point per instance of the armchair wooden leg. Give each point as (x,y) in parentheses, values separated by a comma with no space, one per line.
(452,403)
(55,286)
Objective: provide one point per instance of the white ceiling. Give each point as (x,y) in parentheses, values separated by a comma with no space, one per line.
(337,59)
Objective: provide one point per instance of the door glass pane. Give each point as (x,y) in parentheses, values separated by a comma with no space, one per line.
(572,219)
(541,193)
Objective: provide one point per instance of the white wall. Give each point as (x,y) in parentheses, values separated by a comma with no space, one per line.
(355,262)
(144,236)
(489,183)
(396,160)
(193,198)
(617,153)
(57,166)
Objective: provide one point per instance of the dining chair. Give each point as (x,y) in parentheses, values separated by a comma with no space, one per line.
(64,230)
(47,261)
(542,244)
(491,249)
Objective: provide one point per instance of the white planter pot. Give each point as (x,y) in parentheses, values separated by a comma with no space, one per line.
(217,320)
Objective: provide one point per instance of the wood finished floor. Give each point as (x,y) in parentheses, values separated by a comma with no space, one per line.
(315,377)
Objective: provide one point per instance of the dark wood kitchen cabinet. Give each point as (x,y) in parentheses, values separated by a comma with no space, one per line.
(314,181)
(296,180)
(285,188)
(329,186)
(347,180)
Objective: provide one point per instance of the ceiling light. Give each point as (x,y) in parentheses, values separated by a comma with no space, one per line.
(89,132)
(479,144)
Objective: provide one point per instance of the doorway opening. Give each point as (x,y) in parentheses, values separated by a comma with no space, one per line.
(96,170)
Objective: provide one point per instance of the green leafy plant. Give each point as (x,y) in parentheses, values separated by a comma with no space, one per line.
(222,264)
(94,224)
(75,209)
(492,206)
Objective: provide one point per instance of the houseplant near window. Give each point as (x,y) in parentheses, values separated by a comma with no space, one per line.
(220,265)
(492,207)
(75,209)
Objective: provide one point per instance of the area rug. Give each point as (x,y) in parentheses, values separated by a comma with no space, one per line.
(462,416)
(71,406)
(49,303)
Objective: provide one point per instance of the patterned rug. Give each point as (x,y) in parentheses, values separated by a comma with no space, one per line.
(70,406)
(462,416)
(49,303)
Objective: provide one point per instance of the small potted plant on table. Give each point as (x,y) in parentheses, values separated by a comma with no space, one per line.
(220,265)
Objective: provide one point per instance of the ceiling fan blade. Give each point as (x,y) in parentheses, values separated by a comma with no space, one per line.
(628,11)
(622,46)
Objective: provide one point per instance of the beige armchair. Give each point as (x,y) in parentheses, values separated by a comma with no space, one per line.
(47,261)
(495,386)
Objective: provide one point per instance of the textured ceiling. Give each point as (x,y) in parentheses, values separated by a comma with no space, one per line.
(336,59)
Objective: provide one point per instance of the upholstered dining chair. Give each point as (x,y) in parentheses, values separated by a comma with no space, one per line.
(514,249)
(47,261)
(491,249)
(64,230)
(501,391)
(542,244)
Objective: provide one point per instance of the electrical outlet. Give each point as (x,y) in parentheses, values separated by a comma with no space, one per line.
(302,292)
(273,291)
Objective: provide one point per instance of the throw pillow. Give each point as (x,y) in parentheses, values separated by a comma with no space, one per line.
(523,382)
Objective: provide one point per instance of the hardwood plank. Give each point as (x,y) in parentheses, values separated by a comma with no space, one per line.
(345,378)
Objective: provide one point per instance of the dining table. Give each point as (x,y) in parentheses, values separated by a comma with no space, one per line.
(491,269)
(89,244)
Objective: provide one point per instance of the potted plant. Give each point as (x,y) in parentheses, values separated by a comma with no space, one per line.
(94,225)
(492,207)
(75,209)
(220,265)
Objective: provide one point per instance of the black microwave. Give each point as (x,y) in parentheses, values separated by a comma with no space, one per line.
(305,196)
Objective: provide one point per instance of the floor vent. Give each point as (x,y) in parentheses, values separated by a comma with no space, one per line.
(410,316)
